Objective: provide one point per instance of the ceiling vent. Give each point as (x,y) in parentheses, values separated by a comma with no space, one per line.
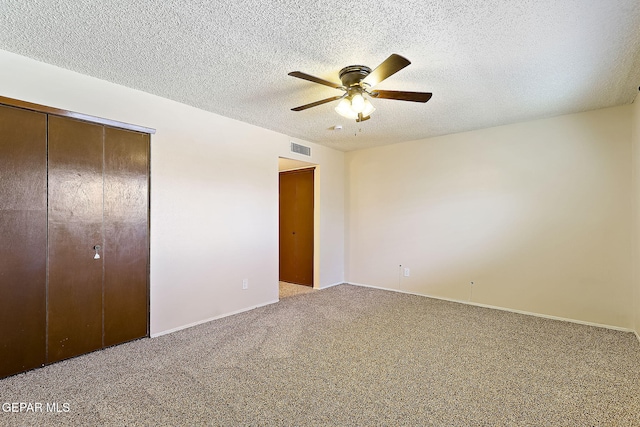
(300,149)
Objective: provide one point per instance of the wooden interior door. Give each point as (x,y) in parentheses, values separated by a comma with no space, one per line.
(126,227)
(75,227)
(23,239)
(296,227)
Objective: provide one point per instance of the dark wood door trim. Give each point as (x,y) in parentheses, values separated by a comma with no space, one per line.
(71,114)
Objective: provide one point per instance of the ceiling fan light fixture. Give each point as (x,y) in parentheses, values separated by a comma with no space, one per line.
(368,108)
(352,106)
(345,110)
(357,103)
(357,80)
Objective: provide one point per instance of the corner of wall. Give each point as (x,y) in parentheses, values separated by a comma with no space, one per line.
(635,144)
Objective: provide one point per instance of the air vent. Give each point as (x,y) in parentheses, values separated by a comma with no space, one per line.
(300,149)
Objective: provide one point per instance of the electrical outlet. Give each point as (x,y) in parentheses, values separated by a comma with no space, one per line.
(245,283)
(407,272)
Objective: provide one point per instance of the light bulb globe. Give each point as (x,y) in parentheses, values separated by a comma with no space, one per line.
(344,109)
(357,103)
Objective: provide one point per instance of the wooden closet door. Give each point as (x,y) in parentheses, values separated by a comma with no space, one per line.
(126,256)
(287,192)
(23,239)
(75,227)
(296,227)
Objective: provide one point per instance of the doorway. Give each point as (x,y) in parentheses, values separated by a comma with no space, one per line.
(297,226)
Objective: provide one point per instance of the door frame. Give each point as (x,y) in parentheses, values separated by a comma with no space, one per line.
(286,164)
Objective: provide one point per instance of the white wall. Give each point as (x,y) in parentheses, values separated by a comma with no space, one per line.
(214,194)
(636,212)
(537,214)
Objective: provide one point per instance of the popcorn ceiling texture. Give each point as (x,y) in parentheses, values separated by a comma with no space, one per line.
(348,356)
(487,62)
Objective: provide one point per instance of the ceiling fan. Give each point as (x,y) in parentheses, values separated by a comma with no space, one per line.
(358,81)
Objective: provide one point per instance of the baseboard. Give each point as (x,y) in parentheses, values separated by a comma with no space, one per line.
(200,322)
(331,285)
(494,307)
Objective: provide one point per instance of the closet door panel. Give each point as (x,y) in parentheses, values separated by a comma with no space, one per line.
(75,227)
(287,237)
(126,195)
(304,227)
(296,226)
(23,239)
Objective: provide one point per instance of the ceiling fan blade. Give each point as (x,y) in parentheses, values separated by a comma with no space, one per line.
(402,96)
(305,76)
(315,104)
(389,67)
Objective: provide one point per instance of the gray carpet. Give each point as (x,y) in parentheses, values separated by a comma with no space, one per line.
(348,356)
(290,289)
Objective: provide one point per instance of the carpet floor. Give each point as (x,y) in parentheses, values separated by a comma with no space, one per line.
(291,289)
(346,356)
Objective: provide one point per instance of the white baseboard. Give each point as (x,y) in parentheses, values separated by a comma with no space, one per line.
(528,313)
(331,285)
(179,328)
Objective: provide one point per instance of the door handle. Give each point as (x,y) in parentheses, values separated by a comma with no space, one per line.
(97,249)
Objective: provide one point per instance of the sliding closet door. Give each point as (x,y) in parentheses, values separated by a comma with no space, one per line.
(23,239)
(126,210)
(75,227)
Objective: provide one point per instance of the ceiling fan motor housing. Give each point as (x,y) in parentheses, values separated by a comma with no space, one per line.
(353,75)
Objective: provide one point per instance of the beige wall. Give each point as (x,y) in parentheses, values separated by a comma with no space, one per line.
(636,211)
(214,194)
(537,214)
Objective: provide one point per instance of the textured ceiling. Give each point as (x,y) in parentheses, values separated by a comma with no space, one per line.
(487,62)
